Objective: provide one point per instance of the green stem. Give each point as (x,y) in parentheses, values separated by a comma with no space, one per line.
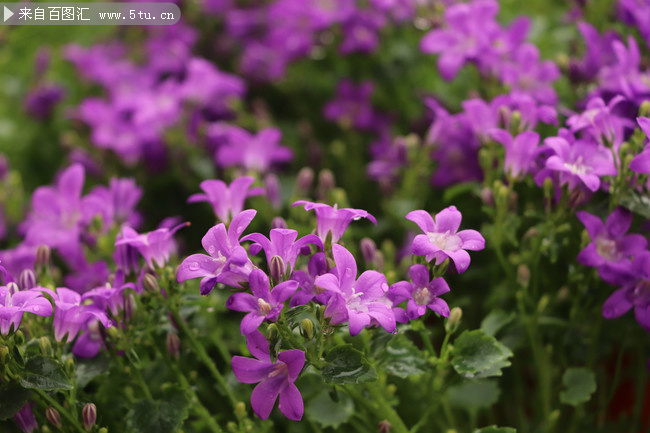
(385,410)
(50,401)
(203,356)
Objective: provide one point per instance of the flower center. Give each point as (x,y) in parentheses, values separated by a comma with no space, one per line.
(606,248)
(279,369)
(265,307)
(422,296)
(445,241)
(576,167)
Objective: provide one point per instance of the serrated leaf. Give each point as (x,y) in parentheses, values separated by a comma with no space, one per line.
(88,369)
(580,383)
(159,416)
(44,373)
(12,399)
(495,321)
(477,355)
(402,359)
(329,413)
(495,429)
(347,365)
(474,395)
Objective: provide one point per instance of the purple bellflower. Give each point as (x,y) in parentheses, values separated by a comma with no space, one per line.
(603,122)
(263,304)
(14,303)
(441,238)
(71,314)
(110,297)
(352,106)
(520,151)
(227,201)
(155,246)
(227,262)
(609,242)
(641,162)
(356,301)
(282,243)
(254,152)
(307,291)
(276,378)
(25,418)
(421,293)
(332,219)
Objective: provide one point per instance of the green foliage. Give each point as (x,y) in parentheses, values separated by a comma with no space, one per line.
(579,384)
(478,355)
(402,359)
(329,413)
(347,365)
(165,415)
(473,395)
(495,429)
(44,373)
(12,398)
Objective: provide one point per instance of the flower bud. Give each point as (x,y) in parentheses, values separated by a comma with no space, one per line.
(453,321)
(548,188)
(307,328)
(89,413)
(272,186)
(43,254)
(240,410)
(487,197)
(27,279)
(19,337)
(523,275)
(150,283)
(277,268)
(12,288)
(279,223)
(4,354)
(326,183)
(304,181)
(102,430)
(644,110)
(368,251)
(384,426)
(271,331)
(129,305)
(45,346)
(173,345)
(53,416)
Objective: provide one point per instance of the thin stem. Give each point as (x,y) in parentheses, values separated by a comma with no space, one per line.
(50,401)
(385,410)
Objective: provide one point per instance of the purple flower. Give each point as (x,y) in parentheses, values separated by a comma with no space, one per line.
(254,152)
(283,243)
(470,30)
(599,52)
(526,74)
(204,84)
(624,75)
(579,162)
(637,12)
(356,301)
(634,280)
(307,291)
(25,418)
(276,378)
(441,238)
(361,32)
(520,151)
(352,106)
(332,219)
(14,303)
(115,203)
(227,201)
(71,314)
(420,293)
(41,101)
(227,263)
(641,162)
(155,246)
(603,122)
(89,342)
(110,297)
(609,244)
(389,156)
(263,304)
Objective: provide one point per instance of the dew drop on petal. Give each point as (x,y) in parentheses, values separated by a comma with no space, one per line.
(194,266)
(211,249)
(36,308)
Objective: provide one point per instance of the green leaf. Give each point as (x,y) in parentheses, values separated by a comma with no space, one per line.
(637,203)
(347,365)
(12,399)
(477,355)
(495,321)
(474,395)
(403,359)
(329,413)
(89,369)
(44,373)
(159,416)
(580,383)
(495,429)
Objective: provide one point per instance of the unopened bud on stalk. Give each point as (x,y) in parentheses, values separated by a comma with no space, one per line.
(277,268)
(368,251)
(644,110)
(543,303)
(487,197)
(89,414)
(43,254)
(307,327)
(523,275)
(46,346)
(453,321)
(548,188)
(272,186)
(4,354)
(27,279)
(150,283)
(53,416)
(240,410)
(19,337)
(129,305)
(69,366)
(326,182)
(279,223)
(271,331)
(12,288)
(173,345)
(384,426)
(304,181)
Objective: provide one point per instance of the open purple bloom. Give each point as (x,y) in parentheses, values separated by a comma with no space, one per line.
(580,162)
(641,162)
(42,100)
(276,378)
(283,243)
(421,293)
(90,340)
(634,280)
(441,238)
(155,246)
(14,303)
(356,301)
(603,122)
(332,219)
(361,32)
(71,314)
(352,106)
(115,203)
(520,151)
(263,304)
(528,75)
(307,290)
(254,152)
(110,297)
(227,201)
(227,262)
(609,242)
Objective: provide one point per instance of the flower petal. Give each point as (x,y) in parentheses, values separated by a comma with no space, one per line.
(291,404)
